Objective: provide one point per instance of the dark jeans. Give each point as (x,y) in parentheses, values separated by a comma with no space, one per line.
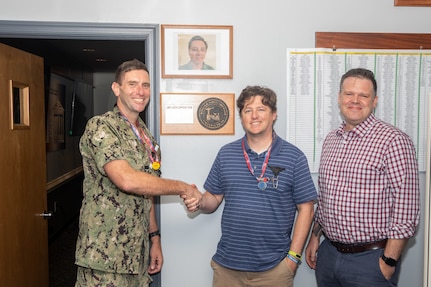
(336,269)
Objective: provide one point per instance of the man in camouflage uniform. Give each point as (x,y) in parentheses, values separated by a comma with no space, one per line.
(121,162)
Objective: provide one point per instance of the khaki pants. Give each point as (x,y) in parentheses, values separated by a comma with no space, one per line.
(279,276)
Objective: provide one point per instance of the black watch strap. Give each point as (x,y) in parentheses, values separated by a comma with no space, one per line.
(155,233)
(390,261)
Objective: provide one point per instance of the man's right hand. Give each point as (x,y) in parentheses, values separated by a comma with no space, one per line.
(192,198)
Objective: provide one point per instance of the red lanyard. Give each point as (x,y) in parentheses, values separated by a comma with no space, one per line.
(139,133)
(264,165)
(149,146)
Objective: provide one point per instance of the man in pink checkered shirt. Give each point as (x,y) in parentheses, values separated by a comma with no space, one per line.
(368,204)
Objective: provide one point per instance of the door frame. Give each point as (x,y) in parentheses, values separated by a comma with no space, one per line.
(149,33)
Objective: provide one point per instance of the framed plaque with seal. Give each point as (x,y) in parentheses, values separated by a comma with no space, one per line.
(197,113)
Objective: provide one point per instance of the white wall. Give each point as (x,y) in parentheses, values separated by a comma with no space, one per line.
(262,32)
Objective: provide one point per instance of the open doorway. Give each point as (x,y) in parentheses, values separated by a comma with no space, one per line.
(98,32)
(102,33)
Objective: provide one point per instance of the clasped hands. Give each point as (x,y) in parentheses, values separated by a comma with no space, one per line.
(192,198)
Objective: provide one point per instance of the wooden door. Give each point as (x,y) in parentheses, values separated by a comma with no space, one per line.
(23,232)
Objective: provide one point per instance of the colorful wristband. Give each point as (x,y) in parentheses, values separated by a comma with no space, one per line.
(297,261)
(296,255)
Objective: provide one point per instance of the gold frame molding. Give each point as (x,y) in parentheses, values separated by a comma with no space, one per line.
(423,3)
(345,40)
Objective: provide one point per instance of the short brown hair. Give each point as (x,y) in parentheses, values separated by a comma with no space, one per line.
(360,73)
(127,67)
(269,98)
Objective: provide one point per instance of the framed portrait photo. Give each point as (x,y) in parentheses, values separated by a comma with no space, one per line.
(197,51)
(197,113)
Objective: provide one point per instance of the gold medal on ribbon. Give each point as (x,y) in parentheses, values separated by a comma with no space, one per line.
(155,165)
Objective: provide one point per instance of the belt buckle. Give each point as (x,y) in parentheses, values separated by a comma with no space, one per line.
(346,249)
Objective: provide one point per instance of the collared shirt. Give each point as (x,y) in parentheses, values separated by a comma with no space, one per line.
(368,184)
(189,66)
(113,226)
(257,224)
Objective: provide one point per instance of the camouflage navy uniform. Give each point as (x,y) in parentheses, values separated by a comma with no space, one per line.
(113,228)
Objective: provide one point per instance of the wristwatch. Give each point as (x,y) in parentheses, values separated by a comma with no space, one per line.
(390,261)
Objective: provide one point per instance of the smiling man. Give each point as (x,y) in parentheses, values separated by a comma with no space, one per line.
(197,49)
(265,182)
(368,205)
(122,168)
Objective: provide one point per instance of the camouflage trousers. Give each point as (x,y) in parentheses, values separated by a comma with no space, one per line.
(87,277)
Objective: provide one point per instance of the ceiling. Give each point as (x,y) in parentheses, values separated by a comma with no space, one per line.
(94,55)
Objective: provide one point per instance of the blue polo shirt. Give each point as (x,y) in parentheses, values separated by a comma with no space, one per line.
(257,224)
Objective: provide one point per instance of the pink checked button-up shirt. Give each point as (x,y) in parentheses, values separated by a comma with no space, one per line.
(368,184)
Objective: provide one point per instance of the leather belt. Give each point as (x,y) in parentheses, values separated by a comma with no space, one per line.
(360,247)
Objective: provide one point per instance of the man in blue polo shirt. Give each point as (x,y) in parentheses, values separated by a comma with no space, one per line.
(264,181)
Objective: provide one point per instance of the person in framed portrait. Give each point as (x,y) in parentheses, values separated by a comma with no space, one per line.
(197,50)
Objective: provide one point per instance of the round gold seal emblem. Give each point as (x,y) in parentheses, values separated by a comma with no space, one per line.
(213,113)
